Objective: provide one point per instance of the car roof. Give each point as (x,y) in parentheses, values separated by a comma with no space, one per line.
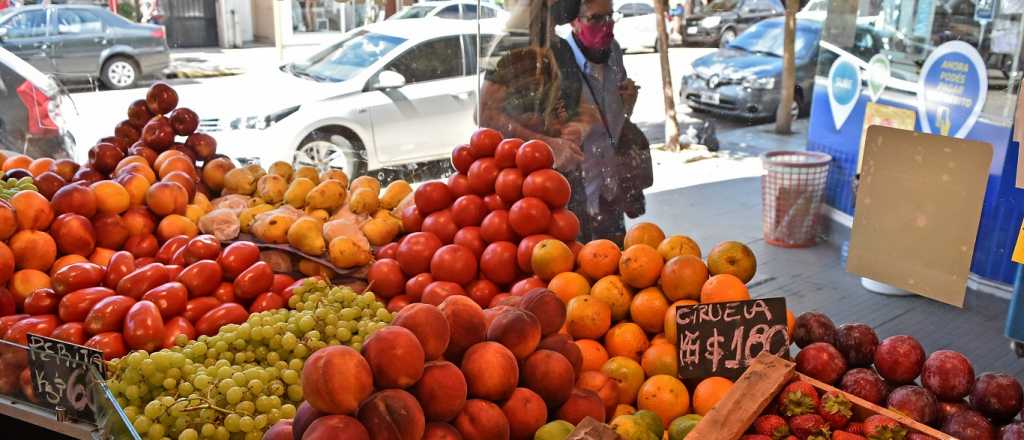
(425,28)
(441,3)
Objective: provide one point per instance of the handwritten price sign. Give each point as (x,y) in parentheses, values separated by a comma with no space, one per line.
(722,339)
(60,375)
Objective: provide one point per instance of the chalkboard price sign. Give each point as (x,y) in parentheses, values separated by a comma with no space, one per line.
(60,375)
(722,339)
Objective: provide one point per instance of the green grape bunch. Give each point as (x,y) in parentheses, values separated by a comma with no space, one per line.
(12,186)
(239,382)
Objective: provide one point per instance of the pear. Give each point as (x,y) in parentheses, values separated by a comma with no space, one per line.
(271,188)
(363,201)
(297,191)
(394,193)
(307,172)
(306,235)
(329,195)
(283,169)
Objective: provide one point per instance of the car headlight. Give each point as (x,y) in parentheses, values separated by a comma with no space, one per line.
(710,22)
(754,82)
(261,122)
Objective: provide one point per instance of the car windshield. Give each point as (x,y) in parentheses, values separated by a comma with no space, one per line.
(766,38)
(719,6)
(346,59)
(413,12)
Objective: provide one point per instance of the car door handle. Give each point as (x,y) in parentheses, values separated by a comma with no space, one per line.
(462,96)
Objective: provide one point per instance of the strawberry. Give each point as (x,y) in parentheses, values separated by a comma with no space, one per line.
(755,437)
(807,425)
(835,409)
(772,426)
(855,428)
(880,427)
(798,398)
(843,435)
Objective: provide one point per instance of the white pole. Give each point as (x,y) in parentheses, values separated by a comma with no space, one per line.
(278,34)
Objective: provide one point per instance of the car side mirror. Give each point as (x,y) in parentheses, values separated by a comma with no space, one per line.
(389,79)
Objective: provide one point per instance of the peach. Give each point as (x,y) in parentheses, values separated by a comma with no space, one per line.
(17,161)
(334,427)
(6,263)
(142,246)
(184,180)
(605,387)
(491,370)
(139,220)
(166,198)
(441,431)
(335,379)
(102,256)
(65,261)
(482,420)
(174,225)
(466,321)
(582,404)
(550,375)
(104,157)
(395,356)
(88,176)
(24,282)
(111,231)
(128,160)
(111,197)
(32,210)
(78,199)
(178,163)
(40,166)
(526,413)
(136,185)
(214,171)
(550,310)
(65,168)
(75,234)
(564,345)
(33,250)
(164,156)
(442,391)
(141,170)
(8,221)
(48,183)
(141,149)
(392,415)
(492,313)
(516,329)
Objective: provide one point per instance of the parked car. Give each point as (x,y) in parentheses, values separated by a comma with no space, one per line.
(31,107)
(635,27)
(454,9)
(719,22)
(82,43)
(373,100)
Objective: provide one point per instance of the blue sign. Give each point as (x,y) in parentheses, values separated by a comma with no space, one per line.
(985,10)
(843,89)
(953,85)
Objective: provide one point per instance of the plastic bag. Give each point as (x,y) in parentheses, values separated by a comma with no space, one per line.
(235,202)
(345,228)
(221,223)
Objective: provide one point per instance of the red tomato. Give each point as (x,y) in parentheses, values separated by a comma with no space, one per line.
(415,251)
(462,158)
(526,285)
(498,262)
(41,302)
(415,286)
(412,220)
(454,263)
(436,292)
(548,185)
(201,278)
(496,301)
(8,306)
(386,251)
(76,305)
(386,278)
(509,185)
(565,225)
(494,203)
(174,271)
(143,279)
(198,307)
(178,259)
(525,252)
(224,314)
(7,321)
(170,248)
(468,210)
(482,176)
(72,332)
(143,327)
(469,237)
(266,301)
(281,282)
(533,156)
(170,298)
(255,280)
(482,291)
(484,141)
(142,246)
(121,264)
(432,196)
(225,292)
(144,261)
(496,227)
(441,224)
(458,184)
(203,247)
(237,257)
(529,216)
(505,154)
(108,314)
(110,343)
(41,325)
(174,327)
(77,276)
(289,291)
(397,303)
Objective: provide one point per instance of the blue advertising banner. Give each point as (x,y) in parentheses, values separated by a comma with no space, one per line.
(953,85)
(843,89)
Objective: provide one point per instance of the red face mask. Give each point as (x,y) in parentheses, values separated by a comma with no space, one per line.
(595,36)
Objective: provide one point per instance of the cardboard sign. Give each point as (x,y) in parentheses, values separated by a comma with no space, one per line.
(60,375)
(723,339)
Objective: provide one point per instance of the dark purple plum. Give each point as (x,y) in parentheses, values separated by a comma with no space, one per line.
(821,361)
(947,409)
(304,416)
(948,374)
(1013,431)
(811,327)
(899,359)
(915,402)
(998,396)
(866,384)
(969,424)
(857,342)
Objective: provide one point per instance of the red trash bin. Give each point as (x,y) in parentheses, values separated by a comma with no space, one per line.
(792,190)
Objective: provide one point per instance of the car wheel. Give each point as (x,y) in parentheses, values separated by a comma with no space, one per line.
(333,149)
(120,73)
(727,36)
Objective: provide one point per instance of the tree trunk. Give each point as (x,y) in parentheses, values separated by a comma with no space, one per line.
(671,123)
(784,116)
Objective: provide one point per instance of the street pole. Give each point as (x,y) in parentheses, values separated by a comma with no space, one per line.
(278,33)
(784,115)
(671,123)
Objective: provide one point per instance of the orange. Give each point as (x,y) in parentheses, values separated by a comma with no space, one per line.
(40,166)
(613,291)
(550,258)
(660,358)
(724,288)
(587,317)
(20,161)
(678,245)
(568,285)
(790,323)
(101,256)
(66,261)
(644,233)
(648,310)
(629,374)
(626,339)
(594,354)
(734,258)
(670,319)
(666,396)
(640,266)
(708,392)
(111,197)
(682,277)
(599,259)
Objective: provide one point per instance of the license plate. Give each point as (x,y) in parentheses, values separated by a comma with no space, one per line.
(691,30)
(709,97)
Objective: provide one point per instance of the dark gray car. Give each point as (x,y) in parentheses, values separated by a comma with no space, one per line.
(81,43)
(720,21)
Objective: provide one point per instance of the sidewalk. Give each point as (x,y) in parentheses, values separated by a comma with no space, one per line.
(216,61)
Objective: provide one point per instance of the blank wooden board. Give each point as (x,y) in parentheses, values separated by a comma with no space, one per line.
(917,213)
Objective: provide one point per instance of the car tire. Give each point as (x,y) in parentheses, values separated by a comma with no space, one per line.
(332,147)
(120,72)
(727,36)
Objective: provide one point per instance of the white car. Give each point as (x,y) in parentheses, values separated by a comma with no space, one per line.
(490,13)
(635,28)
(390,93)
